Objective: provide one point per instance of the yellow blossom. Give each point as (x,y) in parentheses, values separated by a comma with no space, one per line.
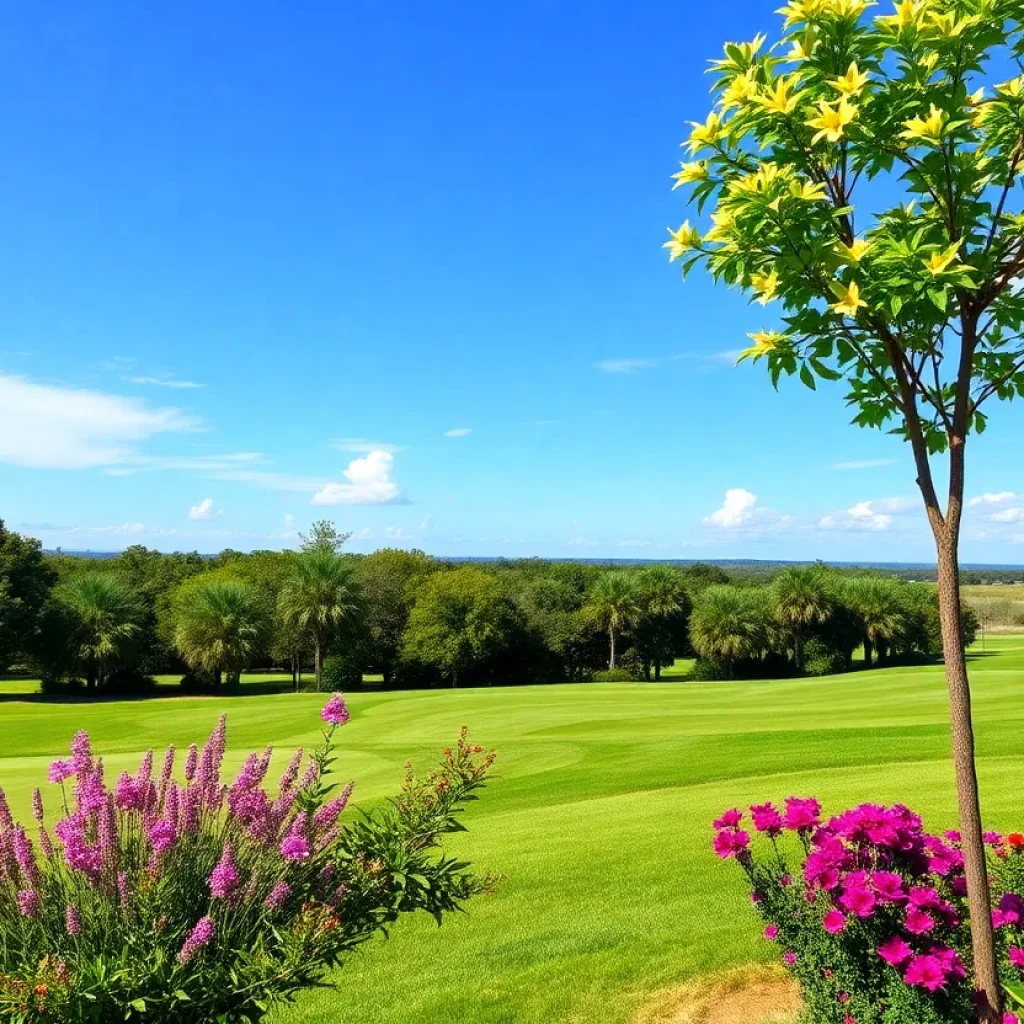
(722,222)
(741,89)
(803,46)
(852,82)
(800,10)
(690,173)
(849,300)
(847,8)
(832,120)
(908,12)
(780,98)
(705,134)
(1013,89)
(856,251)
(939,262)
(766,285)
(681,241)
(927,129)
(949,25)
(764,342)
(808,191)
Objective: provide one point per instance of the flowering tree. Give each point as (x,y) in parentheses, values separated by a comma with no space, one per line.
(914,308)
(172,897)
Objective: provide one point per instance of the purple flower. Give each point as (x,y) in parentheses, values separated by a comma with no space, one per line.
(771,933)
(291,772)
(72,920)
(23,854)
(858,900)
(731,842)
(122,890)
(927,972)
(37,805)
(60,770)
(162,835)
(328,814)
(1016,957)
(81,754)
(918,921)
(295,845)
(888,886)
(201,936)
(789,958)
(28,902)
(191,762)
(766,819)
(335,711)
(802,815)
(224,877)
(729,819)
(276,897)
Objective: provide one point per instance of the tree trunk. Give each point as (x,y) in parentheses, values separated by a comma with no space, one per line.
(972,842)
(798,650)
(611,636)
(319,665)
(867,652)
(657,671)
(295,674)
(217,677)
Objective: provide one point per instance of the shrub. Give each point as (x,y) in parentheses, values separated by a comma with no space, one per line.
(872,921)
(187,903)
(198,681)
(823,659)
(708,670)
(342,672)
(614,675)
(632,662)
(128,682)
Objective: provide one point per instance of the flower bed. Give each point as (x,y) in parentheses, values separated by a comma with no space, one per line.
(870,913)
(180,899)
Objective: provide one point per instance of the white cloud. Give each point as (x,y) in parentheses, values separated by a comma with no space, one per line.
(875,516)
(624,365)
(737,509)
(164,382)
(458,432)
(999,498)
(426,521)
(369,483)
(361,446)
(863,464)
(46,426)
(397,533)
(364,534)
(204,510)
(1008,515)
(289,523)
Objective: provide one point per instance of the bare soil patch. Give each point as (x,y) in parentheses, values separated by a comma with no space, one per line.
(752,995)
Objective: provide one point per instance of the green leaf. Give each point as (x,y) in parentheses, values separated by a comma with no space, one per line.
(807,377)
(1015,990)
(939,298)
(138,1004)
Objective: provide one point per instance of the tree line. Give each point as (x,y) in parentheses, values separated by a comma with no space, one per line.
(416,621)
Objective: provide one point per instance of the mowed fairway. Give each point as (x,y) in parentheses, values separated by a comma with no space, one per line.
(599,820)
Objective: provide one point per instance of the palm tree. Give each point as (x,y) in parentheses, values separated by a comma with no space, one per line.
(800,598)
(220,627)
(616,603)
(882,614)
(319,598)
(107,613)
(662,597)
(730,624)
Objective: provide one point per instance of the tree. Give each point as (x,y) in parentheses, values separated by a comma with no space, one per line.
(459,621)
(881,613)
(318,598)
(323,536)
(916,308)
(106,615)
(220,627)
(800,599)
(729,624)
(25,582)
(388,579)
(616,603)
(659,635)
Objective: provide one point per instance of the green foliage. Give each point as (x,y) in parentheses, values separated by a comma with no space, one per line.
(459,621)
(342,671)
(615,675)
(220,626)
(25,583)
(730,624)
(102,615)
(615,600)
(823,659)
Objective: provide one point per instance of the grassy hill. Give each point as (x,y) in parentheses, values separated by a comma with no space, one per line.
(599,822)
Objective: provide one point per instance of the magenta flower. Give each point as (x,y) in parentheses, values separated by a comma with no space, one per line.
(888,886)
(295,847)
(771,933)
(729,819)
(191,762)
(326,816)
(731,843)
(858,900)
(918,921)
(335,711)
(1016,957)
(200,937)
(802,815)
(37,805)
(72,920)
(1010,1018)
(28,902)
(224,877)
(833,922)
(277,896)
(161,835)
(895,951)
(789,958)
(927,972)
(60,770)
(766,819)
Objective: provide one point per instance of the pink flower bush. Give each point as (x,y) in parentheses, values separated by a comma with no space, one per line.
(872,920)
(228,894)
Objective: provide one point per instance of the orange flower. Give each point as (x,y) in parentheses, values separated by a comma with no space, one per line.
(1015,840)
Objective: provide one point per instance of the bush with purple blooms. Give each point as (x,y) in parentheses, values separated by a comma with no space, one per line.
(870,916)
(173,897)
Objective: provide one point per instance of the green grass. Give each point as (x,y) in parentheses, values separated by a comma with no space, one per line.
(600,820)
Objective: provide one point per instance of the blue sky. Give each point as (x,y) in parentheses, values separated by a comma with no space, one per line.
(399,265)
